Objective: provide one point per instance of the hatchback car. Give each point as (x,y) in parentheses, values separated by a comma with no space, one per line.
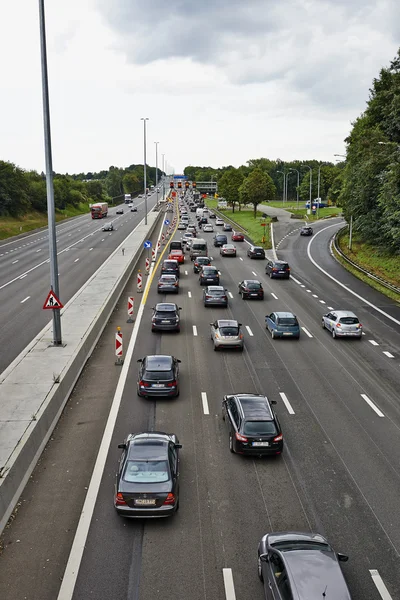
(219,222)
(170,267)
(220,239)
(119,211)
(166,317)
(237,236)
(226,333)
(227,227)
(282,324)
(208,228)
(342,323)
(201,261)
(251,288)
(300,566)
(168,284)
(228,250)
(108,227)
(306,230)
(209,275)
(187,236)
(277,268)
(158,376)
(177,255)
(212,216)
(215,295)
(182,226)
(252,425)
(147,483)
(256,252)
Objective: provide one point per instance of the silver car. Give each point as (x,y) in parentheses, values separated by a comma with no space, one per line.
(208,228)
(226,334)
(228,250)
(342,323)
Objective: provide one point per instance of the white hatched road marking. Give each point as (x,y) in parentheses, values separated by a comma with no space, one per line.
(228,584)
(249,330)
(330,308)
(25,299)
(307,332)
(386,353)
(205,403)
(373,342)
(322,301)
(14,261)
(274,295)
(190,294)
(76,260)
(372,405)
(255,274)
(286,403)
(296,280)
(240,258)
(230,295)
(194,330)
(380,586)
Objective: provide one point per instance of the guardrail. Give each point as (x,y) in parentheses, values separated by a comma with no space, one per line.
(376,278)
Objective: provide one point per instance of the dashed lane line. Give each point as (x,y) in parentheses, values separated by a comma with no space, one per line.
(307,332)
(388,354)
(286,403)
(230,294)
(254,273)
(25,299)
(315,296)
(205,403)
(296,280)
(190,294)
(372,405)
(322,301)
(194,330)
(274,295)
(228,584)
(76,260)
(373,342)
(379,584)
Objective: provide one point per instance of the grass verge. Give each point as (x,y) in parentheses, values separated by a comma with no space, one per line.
(245,219)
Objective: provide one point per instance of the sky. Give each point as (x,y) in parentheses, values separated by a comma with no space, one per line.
(221,81)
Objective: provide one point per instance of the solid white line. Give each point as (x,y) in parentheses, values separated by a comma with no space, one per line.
(296,280)
(322,301)
(307,332)
(240,258)
(22,276)
(14,261)
(25,299)
(76,260)
(228,582)
(373,342)
(388,354)
(372,405)
(255,274)
(249,330)
(190,294)
(205,403)
(230,295)
(380,586)
(194,330)
(274,295)
(287,403)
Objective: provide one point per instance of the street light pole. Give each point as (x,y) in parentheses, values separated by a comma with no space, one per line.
(298,185)
(308,167)
(156,143)
(57,340)
(163,179)
(144,168)
(284,184)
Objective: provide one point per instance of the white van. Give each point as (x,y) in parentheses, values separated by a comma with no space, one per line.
(198,247)
(199,212)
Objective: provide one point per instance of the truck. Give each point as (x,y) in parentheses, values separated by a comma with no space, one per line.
(127,198)
(99,210)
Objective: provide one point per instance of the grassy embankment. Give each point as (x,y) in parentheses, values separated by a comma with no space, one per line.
(245,219)
(301,213)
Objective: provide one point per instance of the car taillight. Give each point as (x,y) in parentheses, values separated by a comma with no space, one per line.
(170,499)
(241,336)
(275,270)
(359,325)
(240,438)
(338,325)
(144,383)
(245,289)
(172,383)
(119,499)
(278,438)
(176,284)
(208,297)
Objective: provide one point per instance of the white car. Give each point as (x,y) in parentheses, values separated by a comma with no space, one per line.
(342,323)
(208,228)
(130,204)
(219,221)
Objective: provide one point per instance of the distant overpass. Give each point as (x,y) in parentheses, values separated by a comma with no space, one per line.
(211,187)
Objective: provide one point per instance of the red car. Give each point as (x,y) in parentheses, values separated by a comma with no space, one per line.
(177,255)
(237,237)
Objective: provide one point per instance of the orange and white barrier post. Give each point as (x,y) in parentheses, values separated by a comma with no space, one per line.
(139,282)
(131,304)
(118,347)
(154,254)
(163,239)
(147,267)
(158,246)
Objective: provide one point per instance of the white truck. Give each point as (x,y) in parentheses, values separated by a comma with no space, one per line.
(199,212)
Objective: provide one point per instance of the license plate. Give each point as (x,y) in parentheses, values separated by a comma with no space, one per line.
(253,294)
(260,443)
(210,279)
(157,385)
(165,321)
(287,333)
(282,272)
(145,502)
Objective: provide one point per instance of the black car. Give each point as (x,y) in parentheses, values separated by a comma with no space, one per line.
(158,376)
(166,317)
(170,267)
(220,239)
(252,425)
(277,268)
(256,252)
(215,295)
(209,275)
(251,288)
(201,261)
(306,230)
(134,209)
(147,482)
(227,227)
(212,216)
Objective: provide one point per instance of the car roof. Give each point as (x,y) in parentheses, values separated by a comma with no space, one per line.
(210,267)
(280,262)
(165,305)
(227,323)
(215,288)
(285,315)
(228,246)
(344,313)
(257,248)
(168,276)
(201,258)
(176,251)
(158,362)
(255,407)
(221,235)
(170,260)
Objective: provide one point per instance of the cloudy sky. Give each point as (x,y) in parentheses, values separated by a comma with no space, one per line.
(221,81)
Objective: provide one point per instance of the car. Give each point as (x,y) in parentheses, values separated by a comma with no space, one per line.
(212,216)
(201,261)
(215,295)
(226,333)
(187,236)
(227,227)
(119,211)
(342,323)
(141,196)
(237,236)
(134,209)
(108,227)
(209,275)
(251,288)
(219,222)
(193,208)
(220,239)
(168,283)
(192,229)
(256,252)
(175,245)
(208,228)
(228,250)
(177,255)
(282,324)
(252,424)
(306,230)
(131,204)
(166,317)
(203,221)
(277,268)
(158,376)
(147,482)
(170,267)
(298,565)
(182,226)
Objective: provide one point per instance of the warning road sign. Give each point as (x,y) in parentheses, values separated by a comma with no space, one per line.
(52,301)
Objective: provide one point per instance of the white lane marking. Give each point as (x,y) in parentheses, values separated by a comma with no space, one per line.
(308,291)
(228,582)
(307,332)
(186,273)
(380,586)
(372,405)
(39,250)
(274,295)
(190,294)
(102,240)
(296,280)
(388,354)
(90,249)
(22,276)
(322,301)
(373,342)
(330,308)
(287,403)
(379,310)
(230,295)
(255,274)
(76,260)
(69,235)
(302,285)
(314,296)
(25,299)
(205,403)
(14,261)
(194,330)
(240,258)
(249,330)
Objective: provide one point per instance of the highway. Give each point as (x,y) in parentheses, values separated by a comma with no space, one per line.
(339,474)
(25,272)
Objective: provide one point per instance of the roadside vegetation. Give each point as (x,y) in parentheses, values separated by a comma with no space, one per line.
(246,222)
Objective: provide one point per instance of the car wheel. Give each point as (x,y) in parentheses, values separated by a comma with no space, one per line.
(323,324)
(272,334)
(231,443)
(333,334)
(215,348)
(177,393)
(259,569)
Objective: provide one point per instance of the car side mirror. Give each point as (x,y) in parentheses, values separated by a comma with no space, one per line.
(264,557)
(177,360)
(240,324)
(178,445)
(273,402)
(122,446)
(342,557)
(140,360)
(179,307)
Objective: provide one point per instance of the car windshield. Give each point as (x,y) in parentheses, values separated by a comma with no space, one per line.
(253,286)
(201,247)
(203,261)
(349,320)
(165,314)
(229,331)
(288,545)
(259,428)
(215,292)
(288,321)
(210,270)
(158,375)
(140,471)
(169,265)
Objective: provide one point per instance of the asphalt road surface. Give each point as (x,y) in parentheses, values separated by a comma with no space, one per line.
(338,475)
(82,247)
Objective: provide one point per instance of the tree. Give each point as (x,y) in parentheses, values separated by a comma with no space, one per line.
(114,182)
(14,188)
(131,183)
(228,187)
(257,188)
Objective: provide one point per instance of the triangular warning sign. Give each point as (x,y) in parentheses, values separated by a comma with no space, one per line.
(52,301)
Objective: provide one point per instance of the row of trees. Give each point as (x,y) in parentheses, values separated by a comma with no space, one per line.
(116,180)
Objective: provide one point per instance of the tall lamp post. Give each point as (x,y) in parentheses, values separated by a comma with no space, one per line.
(57,341)
(319,185)
(156,143)
(284,184)
(144,169)
(308,167)
(298,185)
(163,179)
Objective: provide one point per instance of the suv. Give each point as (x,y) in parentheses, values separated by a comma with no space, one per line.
(158,376)
(209,275)
(170,267)
(252,425)
(299,565)
(166,317)
(342,323)
(220,239)
(277,268)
